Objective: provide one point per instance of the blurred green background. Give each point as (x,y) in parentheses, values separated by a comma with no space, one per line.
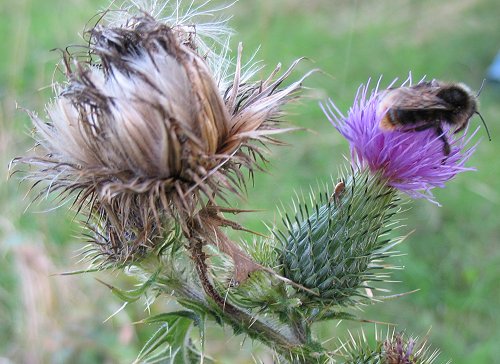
(452,256)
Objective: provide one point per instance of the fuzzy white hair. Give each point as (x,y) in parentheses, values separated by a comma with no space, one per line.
(198,21)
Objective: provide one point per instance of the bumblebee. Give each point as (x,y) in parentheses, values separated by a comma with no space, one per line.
(428,105)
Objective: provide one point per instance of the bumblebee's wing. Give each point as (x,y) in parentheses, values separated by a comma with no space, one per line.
(421,96)
(408,99)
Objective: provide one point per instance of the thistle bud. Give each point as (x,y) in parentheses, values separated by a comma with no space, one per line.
(395,348)
(333,247)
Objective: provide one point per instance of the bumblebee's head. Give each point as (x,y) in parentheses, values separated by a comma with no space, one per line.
(460,97)
(465,104)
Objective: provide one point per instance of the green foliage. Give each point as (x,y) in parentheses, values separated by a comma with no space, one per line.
(134,294)
(262,291)
(171,343)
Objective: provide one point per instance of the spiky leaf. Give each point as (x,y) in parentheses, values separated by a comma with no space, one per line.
(171,343)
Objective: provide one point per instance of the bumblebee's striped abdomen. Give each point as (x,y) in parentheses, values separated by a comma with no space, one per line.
(401,118)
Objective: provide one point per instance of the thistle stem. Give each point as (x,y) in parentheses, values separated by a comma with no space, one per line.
(239,319)
(244,322)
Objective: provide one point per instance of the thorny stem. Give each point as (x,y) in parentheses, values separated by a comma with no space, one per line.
(249,324)
(300,328)
(198,256)
(289,341)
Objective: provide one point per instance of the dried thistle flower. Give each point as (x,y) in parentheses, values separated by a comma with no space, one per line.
(142,136)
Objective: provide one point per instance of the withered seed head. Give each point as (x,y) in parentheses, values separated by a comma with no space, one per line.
(140,133)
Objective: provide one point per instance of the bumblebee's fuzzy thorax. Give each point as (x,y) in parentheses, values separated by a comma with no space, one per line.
(462,100)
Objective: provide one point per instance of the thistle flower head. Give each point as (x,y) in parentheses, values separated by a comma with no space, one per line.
(391,348)
(412,162)
(141,132)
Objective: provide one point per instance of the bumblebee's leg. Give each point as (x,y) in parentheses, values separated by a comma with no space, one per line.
(423,127)
(439,131)
(458,130)
(442,136)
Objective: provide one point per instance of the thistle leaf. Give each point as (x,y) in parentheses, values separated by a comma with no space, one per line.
(167,317)
(171,342)
(131,295)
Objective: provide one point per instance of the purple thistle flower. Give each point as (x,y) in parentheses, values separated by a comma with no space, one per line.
(413,162)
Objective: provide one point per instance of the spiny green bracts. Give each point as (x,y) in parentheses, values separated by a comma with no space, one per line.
(334,249)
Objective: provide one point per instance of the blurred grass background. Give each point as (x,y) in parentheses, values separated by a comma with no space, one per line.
(452,257)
